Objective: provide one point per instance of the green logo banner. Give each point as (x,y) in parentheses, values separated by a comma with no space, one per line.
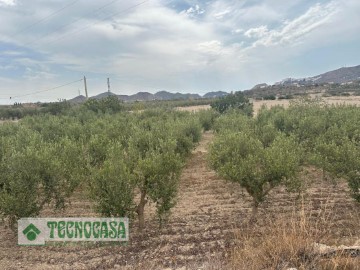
(37,231)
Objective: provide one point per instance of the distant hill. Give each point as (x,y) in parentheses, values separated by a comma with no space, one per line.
(146,96)
(338,76)
(141,96)
(342,75)
(78,99)
(103,95)
(163,95)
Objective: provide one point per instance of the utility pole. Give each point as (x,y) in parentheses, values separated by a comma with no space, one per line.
(108,82)
(85,85)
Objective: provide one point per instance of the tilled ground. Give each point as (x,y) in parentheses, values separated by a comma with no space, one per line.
(200,230)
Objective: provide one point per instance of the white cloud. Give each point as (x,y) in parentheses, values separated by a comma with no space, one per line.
(117,30)
(237,31)
(258,32)
(292,31)
(7,2)
(259,13)
(193,11)
(210,47)
(12,53)
(222,14)
(155,46)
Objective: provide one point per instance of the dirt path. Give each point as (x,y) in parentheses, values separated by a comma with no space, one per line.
(200,229)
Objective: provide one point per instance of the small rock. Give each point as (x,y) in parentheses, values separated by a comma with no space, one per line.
(321,248)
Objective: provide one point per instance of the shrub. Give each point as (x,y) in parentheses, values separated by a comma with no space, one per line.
(270,97)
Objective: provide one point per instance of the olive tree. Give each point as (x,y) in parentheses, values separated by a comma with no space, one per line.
(242,158)
(156,169)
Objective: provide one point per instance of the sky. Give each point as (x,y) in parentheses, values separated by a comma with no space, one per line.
(187,46)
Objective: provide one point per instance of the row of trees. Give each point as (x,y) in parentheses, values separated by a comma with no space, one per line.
(106,105)
(110,104)
(124,160)
(269,150)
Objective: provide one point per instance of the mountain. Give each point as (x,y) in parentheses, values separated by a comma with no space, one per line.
(163,95)
(338,76)
(141,96)
(342,75)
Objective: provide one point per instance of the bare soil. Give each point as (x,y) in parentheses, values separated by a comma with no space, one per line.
(8,121)
(351,100)
(201,228)
(194,108)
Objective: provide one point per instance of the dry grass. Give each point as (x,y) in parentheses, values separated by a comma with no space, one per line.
(195,108)
(289,243)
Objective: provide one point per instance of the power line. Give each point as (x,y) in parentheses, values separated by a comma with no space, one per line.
(45,18)
(72,22)
(57,87)
(104,19)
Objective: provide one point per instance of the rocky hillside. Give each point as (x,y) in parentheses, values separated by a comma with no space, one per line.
(339,76)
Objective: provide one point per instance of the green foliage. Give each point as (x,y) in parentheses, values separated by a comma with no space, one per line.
(34,173)
(157,173)
(243,158)
(263,152)
(286,97)
(110,104)
(233,101)
(56,108)
(207,118)
(118,156)
(147,161)
(18,111)
(233,121)
(20,179)
(112,186)
(330,136)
